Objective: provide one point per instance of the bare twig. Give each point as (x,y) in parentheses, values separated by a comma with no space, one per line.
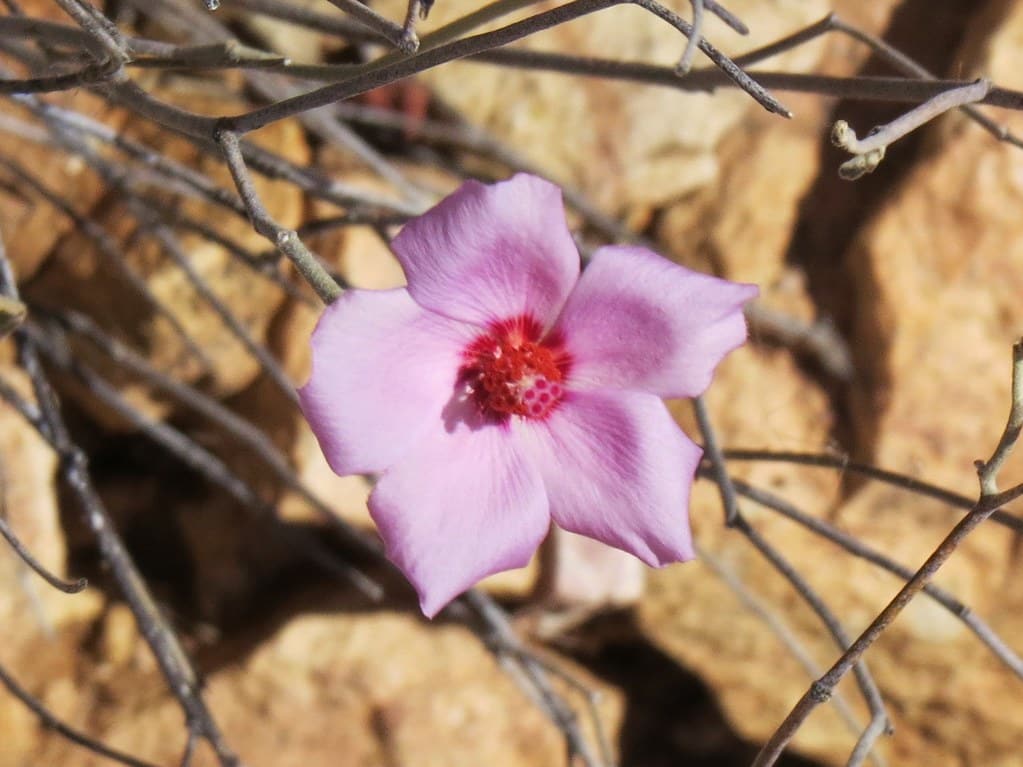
(502,640)
(51,722)
(734,519)
(285,240)
(870,150)
(819,340)
(170,245)
(989,500)
(879,723)
(68,587)
(785,635)
(686,62)
(382,74)
(858,548)
(109,251)
(203,462)
(400,37)
(717,462)
(171,658)
(912,484)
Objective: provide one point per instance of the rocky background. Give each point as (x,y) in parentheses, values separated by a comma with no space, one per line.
(918,269)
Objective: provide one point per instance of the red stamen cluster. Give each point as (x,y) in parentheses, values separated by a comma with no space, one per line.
(509,371)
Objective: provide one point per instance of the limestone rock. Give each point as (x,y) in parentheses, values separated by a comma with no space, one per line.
(29,505)
(42,625)
(937,280)
(940,277)
(654,145)
(378,687)
(30,224)
(87,282)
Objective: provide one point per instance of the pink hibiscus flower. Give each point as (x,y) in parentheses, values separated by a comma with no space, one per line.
(503,390)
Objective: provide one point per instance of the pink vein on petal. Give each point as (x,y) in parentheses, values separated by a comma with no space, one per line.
(464,505)
(617,468)
(638,321)
(383,371)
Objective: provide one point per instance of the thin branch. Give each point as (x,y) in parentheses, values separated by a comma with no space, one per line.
(68,587)
(717,462)
(319,122)
(686,62)
(819,339)
(785,635)
(401,38)
(857,548)
(988,501)
(468,46)
(912,484)
(502,640)
(171,658)
(894,57)
(172,247)
(879,722)
(111,253)
(287,241)
(205,463)
(870,150)
(303,16)
(51,722)
(246,433)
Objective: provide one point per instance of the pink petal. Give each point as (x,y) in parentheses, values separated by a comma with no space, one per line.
(491,253)
(383,371)
(463,505)
(638,321)
(618,468)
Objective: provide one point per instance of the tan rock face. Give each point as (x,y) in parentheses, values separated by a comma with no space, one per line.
(87,282)
(30,224)
(379,688)
(27,466)
(654,145)
(937,280)
(40,622)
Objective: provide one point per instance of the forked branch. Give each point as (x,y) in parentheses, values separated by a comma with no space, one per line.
(987,503)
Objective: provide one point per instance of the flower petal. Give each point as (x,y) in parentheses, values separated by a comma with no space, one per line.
(490,253)
(463,505)
(383,369)
(618,468)
(638,321)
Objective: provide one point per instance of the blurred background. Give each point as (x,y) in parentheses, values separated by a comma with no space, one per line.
(174,335)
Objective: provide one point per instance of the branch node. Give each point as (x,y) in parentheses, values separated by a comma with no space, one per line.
(820,692)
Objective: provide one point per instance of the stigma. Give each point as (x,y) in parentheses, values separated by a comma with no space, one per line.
(512,370)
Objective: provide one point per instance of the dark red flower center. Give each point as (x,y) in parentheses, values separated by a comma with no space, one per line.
(509,370)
